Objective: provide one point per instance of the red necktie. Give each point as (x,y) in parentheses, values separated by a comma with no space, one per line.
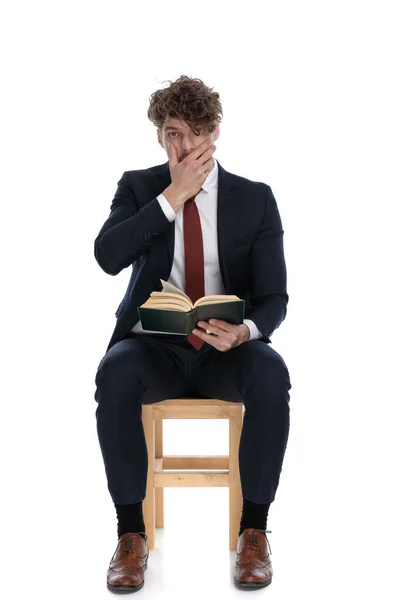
(194,258)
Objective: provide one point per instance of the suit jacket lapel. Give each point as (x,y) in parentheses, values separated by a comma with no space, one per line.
(165,176)
(227,220)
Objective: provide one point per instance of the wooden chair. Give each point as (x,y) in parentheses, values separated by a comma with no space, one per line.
(214,471)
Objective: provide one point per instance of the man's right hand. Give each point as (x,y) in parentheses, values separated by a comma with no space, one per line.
(188,176)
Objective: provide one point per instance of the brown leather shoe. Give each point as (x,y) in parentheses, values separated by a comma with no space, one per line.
(128,564)
(253,563)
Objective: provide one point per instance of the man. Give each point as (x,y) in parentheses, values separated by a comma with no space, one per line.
(207,231)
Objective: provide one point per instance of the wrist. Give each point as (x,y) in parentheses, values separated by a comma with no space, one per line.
(245,332)
(174,197)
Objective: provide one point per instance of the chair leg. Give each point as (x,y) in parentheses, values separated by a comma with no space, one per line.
(159,491)
(149,501)
(235,488)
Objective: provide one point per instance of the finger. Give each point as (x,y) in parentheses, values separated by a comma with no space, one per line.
(173,155)
(210,339)
(209,327)
(201,334)
(201,148)
(222,324)
(206,160)
(206,155)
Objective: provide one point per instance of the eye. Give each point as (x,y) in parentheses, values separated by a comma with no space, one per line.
(172,133)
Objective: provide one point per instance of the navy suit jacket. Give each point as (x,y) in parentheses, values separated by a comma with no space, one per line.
(137,234)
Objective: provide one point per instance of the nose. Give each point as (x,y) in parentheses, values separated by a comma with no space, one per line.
(186,148)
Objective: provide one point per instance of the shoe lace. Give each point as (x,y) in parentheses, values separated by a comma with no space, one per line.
(130,543)
(254,542)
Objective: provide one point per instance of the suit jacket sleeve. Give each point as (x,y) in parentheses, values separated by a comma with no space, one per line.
(268,276)
(129,230)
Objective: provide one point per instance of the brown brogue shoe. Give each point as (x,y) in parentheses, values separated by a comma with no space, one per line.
(253,563)
(128,564)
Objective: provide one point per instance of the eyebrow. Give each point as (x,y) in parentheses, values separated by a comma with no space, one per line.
(175,128)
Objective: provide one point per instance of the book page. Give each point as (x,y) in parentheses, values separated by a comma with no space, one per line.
(215,299)
(165,306)
(166,297)
(172,289)
(176,300)
(216,302)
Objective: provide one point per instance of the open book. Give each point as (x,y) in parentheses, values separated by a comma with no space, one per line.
(173,311)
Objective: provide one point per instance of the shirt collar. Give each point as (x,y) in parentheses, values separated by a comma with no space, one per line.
(212,179)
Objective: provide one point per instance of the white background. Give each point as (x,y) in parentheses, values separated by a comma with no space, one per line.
(310,93)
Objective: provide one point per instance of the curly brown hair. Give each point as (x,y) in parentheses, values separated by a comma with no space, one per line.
(188,99)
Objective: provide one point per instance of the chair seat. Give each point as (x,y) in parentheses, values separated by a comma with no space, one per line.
(174,471)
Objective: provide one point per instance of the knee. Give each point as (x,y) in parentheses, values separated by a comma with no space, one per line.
(117,374)
(276,370)
(268,377)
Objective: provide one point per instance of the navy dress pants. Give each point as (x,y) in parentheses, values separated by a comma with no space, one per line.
(148,368)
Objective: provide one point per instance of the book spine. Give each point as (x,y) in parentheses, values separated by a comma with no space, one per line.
(191,320)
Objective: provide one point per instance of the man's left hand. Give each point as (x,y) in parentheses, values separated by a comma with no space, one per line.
(223,336)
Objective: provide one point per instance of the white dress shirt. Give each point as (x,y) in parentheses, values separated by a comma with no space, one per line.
(206,202)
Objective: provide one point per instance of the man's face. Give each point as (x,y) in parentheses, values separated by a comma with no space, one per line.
(179,133)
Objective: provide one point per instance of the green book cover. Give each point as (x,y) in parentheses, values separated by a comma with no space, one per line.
(176,321)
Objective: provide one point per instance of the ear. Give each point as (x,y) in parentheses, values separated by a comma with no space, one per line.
(160,138)
(216,133)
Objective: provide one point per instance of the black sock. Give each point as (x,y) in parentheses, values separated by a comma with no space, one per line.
(130,518)
(254,515)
